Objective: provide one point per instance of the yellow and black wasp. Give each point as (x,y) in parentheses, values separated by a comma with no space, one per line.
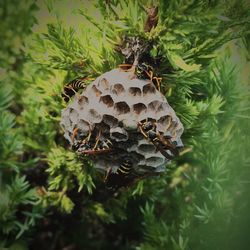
(163,144)
(90,145)
(73,87)
(121,177)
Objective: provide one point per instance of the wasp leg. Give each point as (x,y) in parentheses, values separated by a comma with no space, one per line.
(74,134)
(69,87)
(107,174)
(98,139)
(158,82)
(87,138)
(65,97)
(168,145)
(142,131)
(107,144)
(150,74)
(75,93)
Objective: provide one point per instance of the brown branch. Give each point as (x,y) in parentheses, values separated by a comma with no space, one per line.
(152,19)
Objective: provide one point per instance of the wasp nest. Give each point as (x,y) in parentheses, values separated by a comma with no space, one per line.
(106,115)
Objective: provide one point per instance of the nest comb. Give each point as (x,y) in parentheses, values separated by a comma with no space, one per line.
(110,108)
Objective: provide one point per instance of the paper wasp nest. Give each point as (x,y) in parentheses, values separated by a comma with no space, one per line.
(111,107)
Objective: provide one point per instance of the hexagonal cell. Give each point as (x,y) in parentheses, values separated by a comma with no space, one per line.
(139,108)
(100,129)
(148,89)
(103,84)
(107,100)
(129,124)
(164,122)
(83,125)
(94,116)
(136,157)
(146,148)
(173,126)
(134,91)
(156,106)
(118,89)
(83,100)
(121,108)
(154,161)
(110,120)
(73,115)
(118,134)
(80,134)
(96,90)
(141,169)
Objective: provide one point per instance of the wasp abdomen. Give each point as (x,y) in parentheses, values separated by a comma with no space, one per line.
(124,169)
(115,180)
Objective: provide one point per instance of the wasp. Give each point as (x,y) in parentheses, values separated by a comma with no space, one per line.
(163,144)
(119,178)
(143,71)
(73,87)
(88,145)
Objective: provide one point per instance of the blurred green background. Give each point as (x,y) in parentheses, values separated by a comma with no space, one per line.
(49,199)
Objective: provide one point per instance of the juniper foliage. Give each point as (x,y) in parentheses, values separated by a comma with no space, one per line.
(50,198)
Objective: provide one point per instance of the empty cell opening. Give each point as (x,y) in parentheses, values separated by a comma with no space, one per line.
(121,108)
(161,107)
(155,106)
(73,115)
(94,114)
(107,100)
(139,107)
(154,161)
(135,91)
(119,136)
(141,169)
(104,127)
(110,120)
(146,148)
(81,134)
(165,121)
(149,89)
(96,90)
(103,84)
(118,89)
(83,125)
(83,100)
(173,125)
